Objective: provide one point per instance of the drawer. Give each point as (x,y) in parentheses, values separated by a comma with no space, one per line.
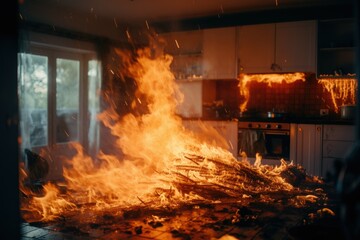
(336,149)
(339,132)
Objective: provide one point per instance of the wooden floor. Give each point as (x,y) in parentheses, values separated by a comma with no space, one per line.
(273,219)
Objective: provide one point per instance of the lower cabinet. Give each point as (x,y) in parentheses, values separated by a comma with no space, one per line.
(337,141)
(212,129)
(321,148)
(308,145)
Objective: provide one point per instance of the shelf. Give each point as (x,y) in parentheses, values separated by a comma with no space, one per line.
(336,49)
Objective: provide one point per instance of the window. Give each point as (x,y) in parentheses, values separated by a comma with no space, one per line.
(58,94)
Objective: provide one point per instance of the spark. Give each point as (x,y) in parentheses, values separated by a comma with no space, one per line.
(177,44)
(21,17)
(115,23)
(128,34)
(112,71)
(147,24)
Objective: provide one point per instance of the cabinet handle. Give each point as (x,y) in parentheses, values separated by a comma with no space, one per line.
(300,129)
(318,129)
(239,68)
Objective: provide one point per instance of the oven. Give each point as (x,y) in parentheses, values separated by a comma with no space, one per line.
(269,139)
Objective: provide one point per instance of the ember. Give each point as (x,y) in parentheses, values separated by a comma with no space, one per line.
(168,177)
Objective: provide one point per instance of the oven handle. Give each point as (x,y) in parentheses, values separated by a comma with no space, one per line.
(277,132)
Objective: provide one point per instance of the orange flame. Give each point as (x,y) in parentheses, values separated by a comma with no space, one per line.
(270,79)
(163,164)
(342,91)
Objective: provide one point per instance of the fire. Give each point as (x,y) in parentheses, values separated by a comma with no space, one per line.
(162,163)
(342,91)
(270,79)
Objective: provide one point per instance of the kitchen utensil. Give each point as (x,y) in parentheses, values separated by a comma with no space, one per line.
(347,111)
(276,115)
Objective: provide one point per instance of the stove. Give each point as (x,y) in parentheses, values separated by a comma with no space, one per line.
(264,125)
(271,140)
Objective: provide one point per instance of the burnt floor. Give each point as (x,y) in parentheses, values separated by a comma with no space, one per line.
(270,218)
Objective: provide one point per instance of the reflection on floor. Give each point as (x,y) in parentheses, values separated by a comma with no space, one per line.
(279,216)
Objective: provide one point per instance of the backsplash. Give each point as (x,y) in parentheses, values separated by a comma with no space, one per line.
(297,99)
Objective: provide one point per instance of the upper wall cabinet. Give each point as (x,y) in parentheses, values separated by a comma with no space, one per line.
(256,48)
(186,48)
(219,56)
(336,52)
(277,47)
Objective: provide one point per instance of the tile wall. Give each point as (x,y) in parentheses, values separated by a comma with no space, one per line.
(298,99)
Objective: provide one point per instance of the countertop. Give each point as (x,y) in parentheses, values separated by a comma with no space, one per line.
(298,120)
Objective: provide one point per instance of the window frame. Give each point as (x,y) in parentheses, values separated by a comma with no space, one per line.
(53,48)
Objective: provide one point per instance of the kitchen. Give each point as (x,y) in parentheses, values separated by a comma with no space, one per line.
(304,102)
(285,100)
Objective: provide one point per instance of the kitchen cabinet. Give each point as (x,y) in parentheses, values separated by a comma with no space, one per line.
(192,91)
(256,48)
(186,48)
(197,96)
(277,47)
(337,141)
(219,53)
(309,147)
(336,50)
(227,130)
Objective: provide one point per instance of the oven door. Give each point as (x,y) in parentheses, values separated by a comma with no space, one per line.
(272,145)
(277,144)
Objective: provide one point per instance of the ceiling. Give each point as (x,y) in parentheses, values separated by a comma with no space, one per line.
(140,10)
(104,15)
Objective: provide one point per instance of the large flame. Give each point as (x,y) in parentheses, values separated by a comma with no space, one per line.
(245,79)
(342,91)
(162,164)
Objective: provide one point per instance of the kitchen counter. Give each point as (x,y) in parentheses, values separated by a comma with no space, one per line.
(304,120)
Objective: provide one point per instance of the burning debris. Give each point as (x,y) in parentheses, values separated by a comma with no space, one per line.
(165,169)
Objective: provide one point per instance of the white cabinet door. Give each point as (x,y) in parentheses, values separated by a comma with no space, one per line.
(219,56)
(191,107)
(229,130)
(339,132)
(256,48)
(186,48)
(308,148)
(331,168)
(291,46)
(225,132)
(336,149)
(337,142)
(296,46)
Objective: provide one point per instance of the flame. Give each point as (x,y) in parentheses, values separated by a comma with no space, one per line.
(157,161)
(270,79)
(342,91)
